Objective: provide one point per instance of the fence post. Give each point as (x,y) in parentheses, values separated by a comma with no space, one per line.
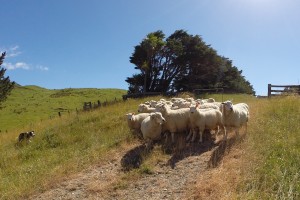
(269,90)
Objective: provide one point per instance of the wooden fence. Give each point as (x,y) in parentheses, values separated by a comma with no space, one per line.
(285,89)
(89,105)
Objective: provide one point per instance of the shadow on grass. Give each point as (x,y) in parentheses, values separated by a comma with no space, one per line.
(182,149)
(134,157)
(224,146)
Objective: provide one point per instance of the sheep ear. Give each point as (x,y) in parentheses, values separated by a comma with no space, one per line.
(133,113)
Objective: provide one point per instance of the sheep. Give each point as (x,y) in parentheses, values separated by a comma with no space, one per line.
(143,108)
(190,99)
(208,105)
(182,104)
(153,103)
(134,121)
(176,120)
(209,100)
(235,116)
(151,127)
(174,99)
(202,119)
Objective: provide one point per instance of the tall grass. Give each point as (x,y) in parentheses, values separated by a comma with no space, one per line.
(61,147)
(273,150)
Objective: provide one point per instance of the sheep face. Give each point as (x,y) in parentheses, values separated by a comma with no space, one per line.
(129,116)
(157,117)
(228,105)
(159,107)
(193,109)
(142,107)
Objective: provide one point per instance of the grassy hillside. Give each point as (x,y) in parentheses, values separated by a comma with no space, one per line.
(66,145)
(272,150)
(29,104)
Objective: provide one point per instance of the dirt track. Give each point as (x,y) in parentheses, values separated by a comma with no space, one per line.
(170,179)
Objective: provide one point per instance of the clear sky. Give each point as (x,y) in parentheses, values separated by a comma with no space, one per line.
(87,43)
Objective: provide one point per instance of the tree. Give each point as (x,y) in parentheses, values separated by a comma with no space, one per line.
(181,62)
(5,84)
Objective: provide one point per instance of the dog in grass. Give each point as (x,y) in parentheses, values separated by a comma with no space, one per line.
(26,136)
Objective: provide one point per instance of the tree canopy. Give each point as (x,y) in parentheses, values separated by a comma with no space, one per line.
(182,62)
(5,84)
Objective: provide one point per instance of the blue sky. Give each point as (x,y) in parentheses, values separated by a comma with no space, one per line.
(87,43)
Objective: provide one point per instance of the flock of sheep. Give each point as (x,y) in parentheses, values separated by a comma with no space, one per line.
(187,115)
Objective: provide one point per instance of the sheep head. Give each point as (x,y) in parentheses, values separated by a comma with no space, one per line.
(228,105)
(157,117)
(129,116)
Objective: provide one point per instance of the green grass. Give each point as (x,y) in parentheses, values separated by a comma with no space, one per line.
(61,147)
(29,104)
(273,150)
(67,145)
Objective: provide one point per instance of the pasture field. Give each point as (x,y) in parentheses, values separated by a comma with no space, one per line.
(269,164)
(272,150)
(29,104)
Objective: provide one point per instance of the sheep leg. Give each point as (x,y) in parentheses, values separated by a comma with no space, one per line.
(166,136)
(194,135)
(200,134)
(173,135)
(149,144)
(189,135)
(217,131)
(224,133)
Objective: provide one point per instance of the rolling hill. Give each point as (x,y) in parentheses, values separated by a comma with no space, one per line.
(29,104)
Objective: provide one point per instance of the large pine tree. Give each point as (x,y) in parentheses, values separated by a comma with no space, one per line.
(5,84)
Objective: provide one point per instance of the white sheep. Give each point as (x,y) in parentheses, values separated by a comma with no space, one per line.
(134,121)
(190,99)
(174,99)
(235,116)
(151,127)
(208,105)
(182,104)
(143,108)
(202,119)
(176,120)
(209,100)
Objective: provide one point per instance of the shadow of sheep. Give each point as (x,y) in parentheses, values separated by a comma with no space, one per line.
(134,157)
